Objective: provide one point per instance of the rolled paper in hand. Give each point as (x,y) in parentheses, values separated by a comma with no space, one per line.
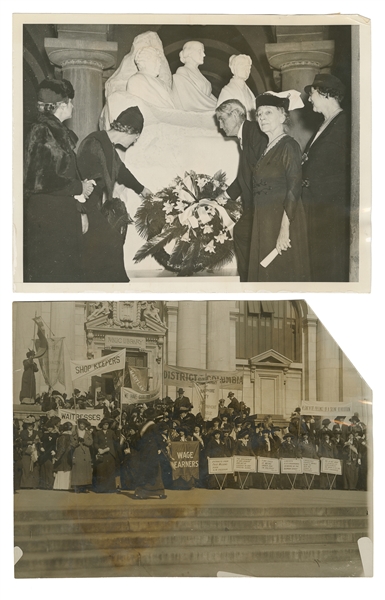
(269,258)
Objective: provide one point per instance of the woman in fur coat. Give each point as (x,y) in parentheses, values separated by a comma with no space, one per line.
(52,212)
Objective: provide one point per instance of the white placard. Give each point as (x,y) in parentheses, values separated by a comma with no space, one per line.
(245,464)
(291,465)
(220,466)
(94,416)
(311,466)
(331,465)
(268,465)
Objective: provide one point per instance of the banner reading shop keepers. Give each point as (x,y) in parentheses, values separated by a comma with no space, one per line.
(111,362)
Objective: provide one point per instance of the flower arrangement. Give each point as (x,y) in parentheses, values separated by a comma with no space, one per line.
(196,216)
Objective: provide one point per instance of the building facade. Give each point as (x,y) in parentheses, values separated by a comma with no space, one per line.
(283,351)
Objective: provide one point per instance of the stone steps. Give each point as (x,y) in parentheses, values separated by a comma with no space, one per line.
(143,538)
(129,540)
(40,564)
(119,525)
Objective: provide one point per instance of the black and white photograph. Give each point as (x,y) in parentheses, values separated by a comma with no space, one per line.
(188,439)
(166,153)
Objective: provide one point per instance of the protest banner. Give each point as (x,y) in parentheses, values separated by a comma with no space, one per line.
(176,376)
(267,465)
(311,466)
(130,396)
(244,464)
(220,466)
(184,460)
(94,416)
(321,409)
(96,366)
(291,466)
(333,466)
(209,400)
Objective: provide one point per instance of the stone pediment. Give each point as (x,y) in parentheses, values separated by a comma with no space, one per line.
(131,316)
(270,358)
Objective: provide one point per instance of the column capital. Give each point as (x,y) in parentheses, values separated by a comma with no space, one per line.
(286,55)
(64,52)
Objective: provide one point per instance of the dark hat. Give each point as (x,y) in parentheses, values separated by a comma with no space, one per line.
(275,428)
(288,435)
(354,419)
(266,431)
(272,100)
(115,413)
(149,414)
(84,421)
(67,426)
(51,91)
(326,422)
(325,81)
(30,353)
(52,422)
(243,433)
(106,420)
(131,119)
(230,394)
(180,390)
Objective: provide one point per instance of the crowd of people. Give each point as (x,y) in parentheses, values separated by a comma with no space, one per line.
(130,449)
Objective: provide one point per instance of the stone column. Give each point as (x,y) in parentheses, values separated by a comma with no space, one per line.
(295,64)
(218,335)
(310,356)
(82,61)
(189,334)
(328,366)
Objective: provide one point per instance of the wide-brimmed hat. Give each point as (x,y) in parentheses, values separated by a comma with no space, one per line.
(29,420)
(84,421)
(180,391)
(326,422)
(325,81)
(67,426)
(230,394)
(288,435)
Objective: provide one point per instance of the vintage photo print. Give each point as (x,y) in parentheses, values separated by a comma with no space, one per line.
(191,153)
(188,439)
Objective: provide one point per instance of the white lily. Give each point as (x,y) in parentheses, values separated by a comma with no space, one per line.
(168,207)
(210,247)
(180,206)
(221,237)
(207,229)
(169,219)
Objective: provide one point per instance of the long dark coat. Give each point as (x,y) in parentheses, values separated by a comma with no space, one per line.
(254,143)
(147,458)
(326,198)
(105,470)
(28,381)
(103,243)
(81,459)
(277,179)
(52,218)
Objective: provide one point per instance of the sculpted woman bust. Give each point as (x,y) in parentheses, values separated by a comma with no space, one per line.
(191,90)
(240,66)
(146,84)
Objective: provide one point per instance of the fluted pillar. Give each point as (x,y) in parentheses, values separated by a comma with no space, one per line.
(82,62)
(189,334)
(328,367)
(310,356)
(299,62)
(218,335)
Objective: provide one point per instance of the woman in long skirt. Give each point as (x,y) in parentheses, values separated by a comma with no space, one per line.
(148,473)
(106,456)
(63,463)
(81,442)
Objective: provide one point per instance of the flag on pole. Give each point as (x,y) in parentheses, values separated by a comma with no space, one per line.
(96,366)
(41,343)
(52,362)
(138,378)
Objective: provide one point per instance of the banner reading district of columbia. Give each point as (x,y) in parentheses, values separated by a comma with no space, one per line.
(111,362)
(177,376)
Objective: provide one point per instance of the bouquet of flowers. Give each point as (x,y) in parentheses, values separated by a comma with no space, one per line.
(194,214)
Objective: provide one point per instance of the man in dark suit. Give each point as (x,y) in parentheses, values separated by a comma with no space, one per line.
(231,116)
